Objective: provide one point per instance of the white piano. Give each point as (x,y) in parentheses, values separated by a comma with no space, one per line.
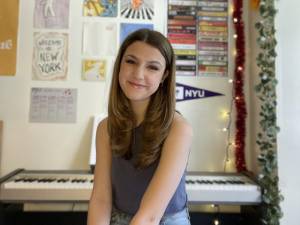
(24,186)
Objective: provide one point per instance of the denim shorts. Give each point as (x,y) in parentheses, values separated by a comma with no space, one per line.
(180,218)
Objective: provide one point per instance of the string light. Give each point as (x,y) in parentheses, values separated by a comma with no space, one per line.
(225,114)
(234,52)
(237,95)
(216,222)
(224,129)
(217,211)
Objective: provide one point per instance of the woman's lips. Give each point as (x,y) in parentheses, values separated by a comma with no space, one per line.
(136,85)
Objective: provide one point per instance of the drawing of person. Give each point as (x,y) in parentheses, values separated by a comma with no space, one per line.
(48,8)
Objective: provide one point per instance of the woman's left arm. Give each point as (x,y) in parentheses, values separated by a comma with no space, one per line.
(172,164)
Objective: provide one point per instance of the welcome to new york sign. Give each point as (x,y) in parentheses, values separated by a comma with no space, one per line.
(186,92)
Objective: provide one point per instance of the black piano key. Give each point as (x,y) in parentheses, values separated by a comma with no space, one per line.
(18,180)
(128,14)
(148,15)
(133,14)
(122,13)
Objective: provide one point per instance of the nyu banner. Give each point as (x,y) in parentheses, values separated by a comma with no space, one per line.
(185,92)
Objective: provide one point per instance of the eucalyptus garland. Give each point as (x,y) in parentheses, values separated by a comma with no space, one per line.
(267,136)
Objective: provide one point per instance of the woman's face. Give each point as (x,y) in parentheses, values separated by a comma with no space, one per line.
(141,71)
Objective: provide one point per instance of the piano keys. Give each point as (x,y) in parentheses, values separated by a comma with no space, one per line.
(75,186)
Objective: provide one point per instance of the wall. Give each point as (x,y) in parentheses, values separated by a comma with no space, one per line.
(287,63)
(67,146)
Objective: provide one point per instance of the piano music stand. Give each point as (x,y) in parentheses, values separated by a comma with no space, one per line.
(97,119)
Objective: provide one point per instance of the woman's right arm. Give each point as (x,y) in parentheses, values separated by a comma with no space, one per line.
(100,204)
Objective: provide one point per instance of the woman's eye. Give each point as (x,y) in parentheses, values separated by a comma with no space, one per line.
(153,68)
(130,61)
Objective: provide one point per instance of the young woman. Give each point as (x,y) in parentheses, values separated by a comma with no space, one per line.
(143,144)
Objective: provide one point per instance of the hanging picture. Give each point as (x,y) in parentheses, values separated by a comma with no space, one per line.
(128,28)
(104,8)
(51,14)
(137,9)
(8,36)
(53,105)
(94,69)
(99,38)
(50,56)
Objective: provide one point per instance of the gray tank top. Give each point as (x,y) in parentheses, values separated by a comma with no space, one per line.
(129,184)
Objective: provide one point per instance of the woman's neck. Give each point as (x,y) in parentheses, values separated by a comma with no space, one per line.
(139,110)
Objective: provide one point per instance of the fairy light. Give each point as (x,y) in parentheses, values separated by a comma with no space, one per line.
(234,52)
(239,101)
(237,98)
(216,222)
(224,129)
(225,114)
(227,129)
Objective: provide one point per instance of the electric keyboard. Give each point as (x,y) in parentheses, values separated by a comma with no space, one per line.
(76,186)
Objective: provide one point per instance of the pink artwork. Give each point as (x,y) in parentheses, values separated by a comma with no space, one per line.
(51,14)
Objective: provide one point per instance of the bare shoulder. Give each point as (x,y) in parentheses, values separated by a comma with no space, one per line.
(181,125)
(102,126)
(102,132)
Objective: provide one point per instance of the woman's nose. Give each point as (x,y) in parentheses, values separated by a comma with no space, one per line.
(138,72)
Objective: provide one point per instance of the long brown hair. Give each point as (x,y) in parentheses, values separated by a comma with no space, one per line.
(160,111)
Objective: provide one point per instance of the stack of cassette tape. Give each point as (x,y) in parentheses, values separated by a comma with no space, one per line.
(182,34)
(198,32)
(212,18)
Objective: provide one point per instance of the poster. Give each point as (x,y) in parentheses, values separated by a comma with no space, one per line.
(50,56)
(102,8)
(53,105)
(137,9)
(127,28)
(51,14)
(9,17)
(94,69)
(99,38)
